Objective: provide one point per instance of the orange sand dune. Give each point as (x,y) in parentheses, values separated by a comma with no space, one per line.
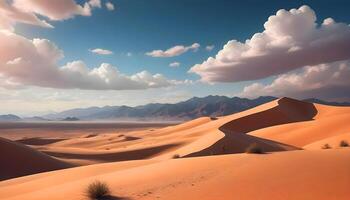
(329,121)
(206,137)
(203,172)
(288,175)
(334,142)
(19,160)
(203,136)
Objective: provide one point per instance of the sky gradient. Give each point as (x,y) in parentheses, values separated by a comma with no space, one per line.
(87,54)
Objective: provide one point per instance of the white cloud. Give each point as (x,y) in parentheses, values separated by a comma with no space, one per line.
(54,9)
(110,6)
(185,82)
(129,54)
(95,3)
(322,81)
(9,15)
(34,62)
(27,11)
(101,51)
(174,64)
(291,39)
(173,51)
(209,47)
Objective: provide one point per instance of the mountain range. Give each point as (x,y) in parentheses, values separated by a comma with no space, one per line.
(190,109)
(185,110)
(9,118)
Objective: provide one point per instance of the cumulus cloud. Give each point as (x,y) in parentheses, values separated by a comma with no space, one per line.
(291,39)
(9,15)
(54,9)
(209,47)
(174,64)
(34,62)
(109,6)
(95,3)
(325,81)
(173,51)
(26,11)
(101,51)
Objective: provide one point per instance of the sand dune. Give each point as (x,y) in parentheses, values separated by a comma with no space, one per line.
(212,164)
(329,121)
(333,142)
(235,176)
(200,137)
(19,160)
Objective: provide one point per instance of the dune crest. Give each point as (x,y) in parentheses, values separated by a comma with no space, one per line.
(210,163)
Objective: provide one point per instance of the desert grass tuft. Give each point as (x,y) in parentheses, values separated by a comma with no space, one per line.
(326,146)
(175,156)
(255,149)
(98,190)
(344,143)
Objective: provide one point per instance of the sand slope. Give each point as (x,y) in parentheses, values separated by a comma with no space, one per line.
(19,160)
(333,142)
(283,124)
(198,137)
(329,121)
(212,164)
(287,175)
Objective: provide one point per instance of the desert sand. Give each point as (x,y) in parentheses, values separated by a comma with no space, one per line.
(213,164)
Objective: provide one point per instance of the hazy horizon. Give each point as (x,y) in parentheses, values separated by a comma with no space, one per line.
(98,53)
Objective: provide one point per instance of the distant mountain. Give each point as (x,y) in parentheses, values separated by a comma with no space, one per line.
(70,119)
(9,118)
(190,109)
(35,119)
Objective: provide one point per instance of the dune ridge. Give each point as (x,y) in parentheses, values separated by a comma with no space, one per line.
(211,163)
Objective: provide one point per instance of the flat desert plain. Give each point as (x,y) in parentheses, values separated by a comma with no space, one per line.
(296,154)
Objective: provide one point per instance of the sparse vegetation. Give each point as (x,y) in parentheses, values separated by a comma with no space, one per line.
(223,148)
(176,156)
(326,146)
(254,148)
(344,143)
(98,190)
(213,118)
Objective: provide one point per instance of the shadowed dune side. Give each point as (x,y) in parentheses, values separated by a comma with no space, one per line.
(137,154)
(330,121)
(236,140)
(19,160)
(39,141)
(287,111)
(238,143)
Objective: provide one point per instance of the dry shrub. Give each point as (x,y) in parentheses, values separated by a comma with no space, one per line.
(254,148)
(98,190)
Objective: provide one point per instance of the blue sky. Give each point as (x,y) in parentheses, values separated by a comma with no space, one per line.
(139,26)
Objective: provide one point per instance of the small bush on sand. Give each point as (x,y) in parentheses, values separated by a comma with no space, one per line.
(344,143)
(213,118)
(326,146)
(254,148)
(176,156)
(98,190)
(223,149)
